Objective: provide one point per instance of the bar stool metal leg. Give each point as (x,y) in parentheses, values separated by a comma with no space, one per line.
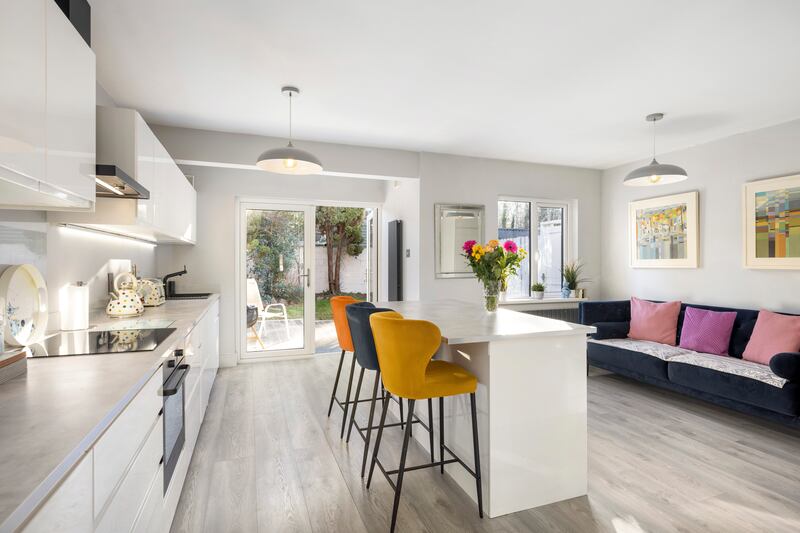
(478,484)
(355,404)
(401,471)
(441,432)
(369,424)
(336,383)
(402,417)
(386,400)
(430,427)
(347,398)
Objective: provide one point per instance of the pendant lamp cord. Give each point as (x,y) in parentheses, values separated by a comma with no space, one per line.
(290,118)
(654,138)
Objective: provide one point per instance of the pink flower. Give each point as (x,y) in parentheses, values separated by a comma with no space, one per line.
(467,247)
(510,247)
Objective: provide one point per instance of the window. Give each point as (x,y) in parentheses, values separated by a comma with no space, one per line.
(541,228)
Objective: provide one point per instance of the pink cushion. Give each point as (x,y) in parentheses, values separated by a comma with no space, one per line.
(707,331)
(772,335)
(654,322)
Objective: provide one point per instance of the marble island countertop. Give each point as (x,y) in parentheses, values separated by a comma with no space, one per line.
(56,411)
(463,322)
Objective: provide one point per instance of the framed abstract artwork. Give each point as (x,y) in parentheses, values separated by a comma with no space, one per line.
(663,232)
(772,223)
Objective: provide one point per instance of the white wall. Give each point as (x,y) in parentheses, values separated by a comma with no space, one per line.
(717,170)
(469,180)
(402,203)
(211,262)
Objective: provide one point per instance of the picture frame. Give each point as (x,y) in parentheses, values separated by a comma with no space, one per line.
(771,223)
(663,232)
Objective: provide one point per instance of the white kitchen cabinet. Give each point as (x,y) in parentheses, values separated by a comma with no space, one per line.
(117,448)
(125,140)
(47,101)
(22,92)
(150,515)
(131,496)
(71,93)
(69,508)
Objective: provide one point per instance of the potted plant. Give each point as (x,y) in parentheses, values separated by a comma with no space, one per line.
(571,274)
(538,290)
(493,264)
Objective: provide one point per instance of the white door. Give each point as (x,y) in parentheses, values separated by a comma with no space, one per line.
(371,249)
(276,255)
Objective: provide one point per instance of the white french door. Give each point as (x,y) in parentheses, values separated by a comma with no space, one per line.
(276,281)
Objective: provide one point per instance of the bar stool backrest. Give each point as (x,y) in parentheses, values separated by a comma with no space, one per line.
(404,347)
(361,332)
(338,303)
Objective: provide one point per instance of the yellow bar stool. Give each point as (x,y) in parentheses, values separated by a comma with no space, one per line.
(405,349)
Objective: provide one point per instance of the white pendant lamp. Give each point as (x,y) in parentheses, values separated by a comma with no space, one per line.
(288,159)
(655,173)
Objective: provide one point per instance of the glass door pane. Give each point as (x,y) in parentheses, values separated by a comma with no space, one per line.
(277,281)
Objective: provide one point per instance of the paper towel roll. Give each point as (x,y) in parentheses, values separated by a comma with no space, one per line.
(74,306)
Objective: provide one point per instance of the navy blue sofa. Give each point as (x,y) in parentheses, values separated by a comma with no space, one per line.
(771,392)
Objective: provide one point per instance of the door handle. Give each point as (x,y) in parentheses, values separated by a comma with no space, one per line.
(307,275)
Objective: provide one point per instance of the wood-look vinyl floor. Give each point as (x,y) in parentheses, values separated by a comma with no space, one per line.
(268,459)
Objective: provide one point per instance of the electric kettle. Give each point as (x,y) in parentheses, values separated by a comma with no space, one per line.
(125,300)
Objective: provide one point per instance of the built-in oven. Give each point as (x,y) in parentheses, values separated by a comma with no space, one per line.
(175,371)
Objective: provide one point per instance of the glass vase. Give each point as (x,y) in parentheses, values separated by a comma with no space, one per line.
(491,295)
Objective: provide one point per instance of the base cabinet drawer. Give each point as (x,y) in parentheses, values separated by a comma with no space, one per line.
(126,503)
(116,449)
(69,508)
(150,519)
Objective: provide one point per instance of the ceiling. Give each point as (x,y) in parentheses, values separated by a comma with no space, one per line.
(563,82)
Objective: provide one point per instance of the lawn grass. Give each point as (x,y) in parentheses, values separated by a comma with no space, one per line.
(322,306)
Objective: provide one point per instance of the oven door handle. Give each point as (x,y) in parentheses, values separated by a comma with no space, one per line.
(167,390)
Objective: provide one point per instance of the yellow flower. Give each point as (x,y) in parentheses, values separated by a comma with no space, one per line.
(477,251)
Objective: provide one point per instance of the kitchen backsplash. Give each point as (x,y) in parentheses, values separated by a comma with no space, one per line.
(65,255)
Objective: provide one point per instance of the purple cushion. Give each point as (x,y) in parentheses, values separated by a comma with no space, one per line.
(707,331)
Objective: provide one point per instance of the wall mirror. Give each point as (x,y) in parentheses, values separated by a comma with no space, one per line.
(455,224)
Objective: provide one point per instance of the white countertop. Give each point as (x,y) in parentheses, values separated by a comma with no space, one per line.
(463,322)
(56,411)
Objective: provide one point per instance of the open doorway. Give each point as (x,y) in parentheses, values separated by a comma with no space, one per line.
(293,259)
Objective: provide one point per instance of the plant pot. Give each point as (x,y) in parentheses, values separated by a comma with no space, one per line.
(491,295)
(572,294)
(503,296)
(539,295)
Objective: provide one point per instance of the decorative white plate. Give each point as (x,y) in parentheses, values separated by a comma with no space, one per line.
(24,292)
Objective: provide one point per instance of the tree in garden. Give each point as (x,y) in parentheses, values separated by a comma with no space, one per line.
(341,227)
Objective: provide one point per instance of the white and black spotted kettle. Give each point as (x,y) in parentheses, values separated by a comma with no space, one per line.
(125,300)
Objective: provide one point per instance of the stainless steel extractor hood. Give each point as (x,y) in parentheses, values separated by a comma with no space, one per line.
(113,182)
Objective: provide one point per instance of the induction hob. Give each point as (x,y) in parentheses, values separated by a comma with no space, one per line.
(100,342)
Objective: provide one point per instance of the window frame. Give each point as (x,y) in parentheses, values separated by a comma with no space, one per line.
(567,245)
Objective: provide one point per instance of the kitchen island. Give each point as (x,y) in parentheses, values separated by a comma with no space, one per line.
(531,402)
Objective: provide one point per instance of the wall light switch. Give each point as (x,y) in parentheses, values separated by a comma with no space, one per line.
(408,252)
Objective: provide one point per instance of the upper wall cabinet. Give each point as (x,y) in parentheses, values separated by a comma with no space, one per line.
(47,109)
(124,139)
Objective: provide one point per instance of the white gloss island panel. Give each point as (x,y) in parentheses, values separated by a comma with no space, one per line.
(531,399)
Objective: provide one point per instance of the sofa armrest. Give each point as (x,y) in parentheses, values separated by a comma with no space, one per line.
(786,365)
(611,330)
(605,311)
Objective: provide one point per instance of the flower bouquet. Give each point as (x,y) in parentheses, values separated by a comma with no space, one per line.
(493,264)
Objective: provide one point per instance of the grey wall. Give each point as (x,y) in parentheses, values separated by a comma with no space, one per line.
(717,170)
(458,179)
